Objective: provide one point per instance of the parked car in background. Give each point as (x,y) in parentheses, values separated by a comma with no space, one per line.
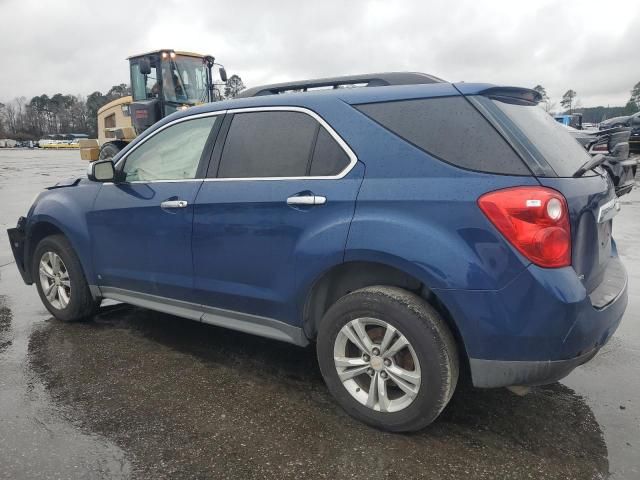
(631,121)
(412,228)
(634,141)
(613,143)
(614,122)
(7,143)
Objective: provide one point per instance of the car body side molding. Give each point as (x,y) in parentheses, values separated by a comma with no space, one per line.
(253,324)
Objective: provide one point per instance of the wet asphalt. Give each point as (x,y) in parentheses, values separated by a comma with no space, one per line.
(138,394)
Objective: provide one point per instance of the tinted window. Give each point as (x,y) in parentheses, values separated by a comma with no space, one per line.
(328,157)
(172,154)
(452,130)
(554,144)
(268,144)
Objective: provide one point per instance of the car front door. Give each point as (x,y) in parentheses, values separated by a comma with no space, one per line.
(141,225)
(277,205)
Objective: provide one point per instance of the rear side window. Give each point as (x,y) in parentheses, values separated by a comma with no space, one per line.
(268,144)
(452,130)
(328,157)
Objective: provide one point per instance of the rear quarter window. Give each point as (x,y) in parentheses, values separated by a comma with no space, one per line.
(450,129)
(328,157)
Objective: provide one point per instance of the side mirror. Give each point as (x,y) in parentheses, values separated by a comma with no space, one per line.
(145,66)
(223,74)
(101,171)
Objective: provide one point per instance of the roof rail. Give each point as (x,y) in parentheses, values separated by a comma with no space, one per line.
(370,80)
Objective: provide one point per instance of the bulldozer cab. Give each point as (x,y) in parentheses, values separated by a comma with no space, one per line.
(162,82)
(165,81)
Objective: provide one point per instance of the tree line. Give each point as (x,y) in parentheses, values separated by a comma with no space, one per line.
(23,119)
(570,103)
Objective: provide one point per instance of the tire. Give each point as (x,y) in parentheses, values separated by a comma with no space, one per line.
(108,151)
(430,360)
(78,303)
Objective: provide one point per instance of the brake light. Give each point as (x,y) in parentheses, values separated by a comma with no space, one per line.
(535,220)
(600,148)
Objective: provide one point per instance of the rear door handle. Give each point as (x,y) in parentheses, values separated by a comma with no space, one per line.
(307,200)
(174,204)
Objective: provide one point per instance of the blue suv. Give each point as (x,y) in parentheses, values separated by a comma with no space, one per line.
(411,229)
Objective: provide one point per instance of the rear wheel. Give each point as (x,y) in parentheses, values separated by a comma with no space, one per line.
(388,358)
(60,280)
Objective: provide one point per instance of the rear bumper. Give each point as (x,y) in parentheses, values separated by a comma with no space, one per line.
(17,239)
(497,373)
(539,327)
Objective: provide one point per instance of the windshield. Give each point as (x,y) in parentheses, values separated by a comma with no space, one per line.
(551,141)
(184,80)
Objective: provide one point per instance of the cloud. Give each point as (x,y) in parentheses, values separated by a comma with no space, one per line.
(78,47)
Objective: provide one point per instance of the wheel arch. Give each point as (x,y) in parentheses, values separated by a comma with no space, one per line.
(347,277)
(45,227)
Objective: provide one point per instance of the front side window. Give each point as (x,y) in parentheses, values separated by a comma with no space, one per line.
(172,154)
(268,144)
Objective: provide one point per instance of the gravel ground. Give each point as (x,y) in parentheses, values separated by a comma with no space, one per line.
(138,394)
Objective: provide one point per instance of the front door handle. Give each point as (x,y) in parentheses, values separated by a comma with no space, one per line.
(174,204)
(307,200)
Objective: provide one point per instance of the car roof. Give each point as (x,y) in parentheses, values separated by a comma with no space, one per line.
(622,118)
(345,81)
(315,99)
(356,95)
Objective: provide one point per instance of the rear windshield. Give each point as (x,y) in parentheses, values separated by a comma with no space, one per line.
(450,129)
(551,141)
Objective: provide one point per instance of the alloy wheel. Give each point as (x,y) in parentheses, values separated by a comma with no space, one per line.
(377,365)
(54,280)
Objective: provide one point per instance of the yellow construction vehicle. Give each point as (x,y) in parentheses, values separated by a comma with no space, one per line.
(162,82)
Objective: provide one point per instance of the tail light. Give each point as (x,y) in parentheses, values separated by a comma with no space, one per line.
(600,148)
(535,220)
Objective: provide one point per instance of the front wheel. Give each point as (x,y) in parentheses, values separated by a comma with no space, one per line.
(388,358)
(60,280)
(109,150)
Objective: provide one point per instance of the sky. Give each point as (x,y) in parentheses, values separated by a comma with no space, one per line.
(79,46)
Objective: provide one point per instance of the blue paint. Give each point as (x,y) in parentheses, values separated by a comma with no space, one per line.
(239,246)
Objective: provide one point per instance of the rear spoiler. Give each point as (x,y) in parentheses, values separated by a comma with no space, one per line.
(524,96)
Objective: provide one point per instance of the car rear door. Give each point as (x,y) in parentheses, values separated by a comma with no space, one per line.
(141,226)
(277,206)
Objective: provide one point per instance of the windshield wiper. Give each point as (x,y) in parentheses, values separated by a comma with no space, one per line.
(590,165)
